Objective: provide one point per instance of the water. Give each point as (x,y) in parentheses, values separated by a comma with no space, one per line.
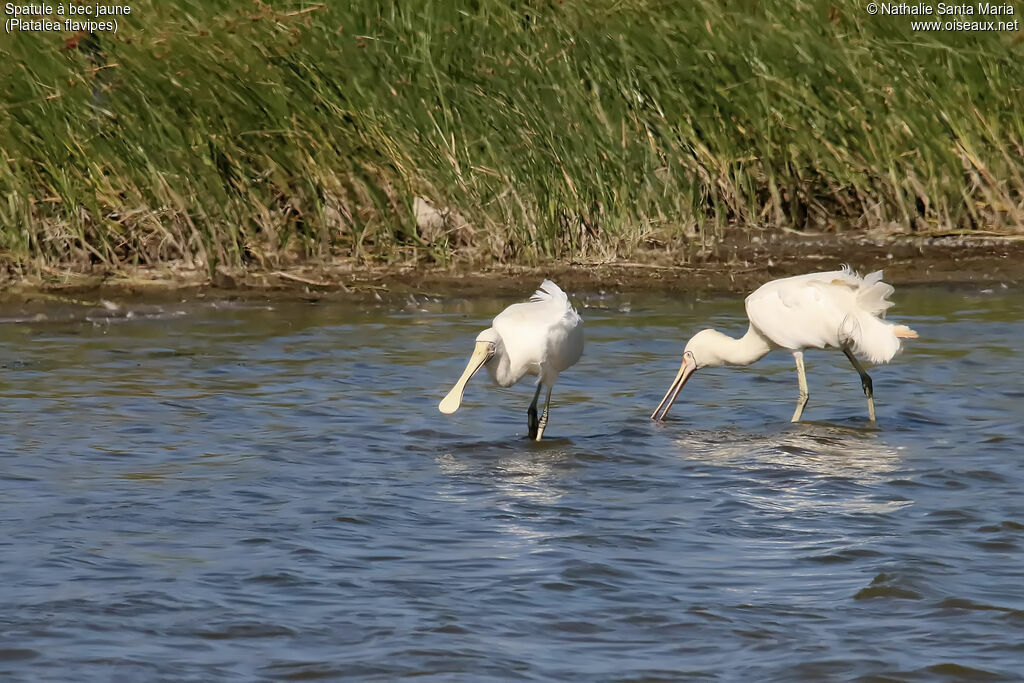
(216,491)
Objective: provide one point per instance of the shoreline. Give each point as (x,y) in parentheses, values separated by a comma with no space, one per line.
(735,266)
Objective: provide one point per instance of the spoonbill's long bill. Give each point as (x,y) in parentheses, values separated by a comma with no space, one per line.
(838,309)
(541,337)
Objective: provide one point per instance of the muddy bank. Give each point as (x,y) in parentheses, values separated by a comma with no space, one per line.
(742,266)
(736,266)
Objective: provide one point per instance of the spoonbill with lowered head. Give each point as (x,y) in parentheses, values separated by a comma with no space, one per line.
(542,337)
(837,309)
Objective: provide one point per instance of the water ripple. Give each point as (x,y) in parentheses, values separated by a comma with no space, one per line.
(239,491)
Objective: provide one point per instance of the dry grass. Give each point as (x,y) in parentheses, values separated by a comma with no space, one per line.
(237,133)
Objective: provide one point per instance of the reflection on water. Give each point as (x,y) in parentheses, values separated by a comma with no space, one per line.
(859,454)
(224,490)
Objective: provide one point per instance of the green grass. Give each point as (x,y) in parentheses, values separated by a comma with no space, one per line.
(241,133)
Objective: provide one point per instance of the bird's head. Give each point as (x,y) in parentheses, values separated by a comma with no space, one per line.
(487,343)
(701,351)
(704,349)
(490,337)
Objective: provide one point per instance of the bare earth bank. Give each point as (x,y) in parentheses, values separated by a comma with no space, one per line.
(734,266)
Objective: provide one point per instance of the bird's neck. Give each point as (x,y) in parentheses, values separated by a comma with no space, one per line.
(749,348)
(500,367)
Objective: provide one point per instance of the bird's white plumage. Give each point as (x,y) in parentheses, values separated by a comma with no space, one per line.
(820,310)
(542,336)
(835,309)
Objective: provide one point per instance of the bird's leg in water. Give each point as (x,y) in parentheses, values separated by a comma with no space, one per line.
(531,414)
(544,415)
(865,381)
(802,379)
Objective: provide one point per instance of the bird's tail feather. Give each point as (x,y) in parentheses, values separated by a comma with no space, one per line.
(875,339)
(874,294)
(869,335)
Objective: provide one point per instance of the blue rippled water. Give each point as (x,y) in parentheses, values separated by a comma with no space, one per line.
(266,491)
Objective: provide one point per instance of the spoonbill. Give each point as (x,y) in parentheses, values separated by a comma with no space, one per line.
(837,309)
(542,337)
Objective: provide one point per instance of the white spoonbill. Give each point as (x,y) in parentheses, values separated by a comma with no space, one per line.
(838,309)
(542,337)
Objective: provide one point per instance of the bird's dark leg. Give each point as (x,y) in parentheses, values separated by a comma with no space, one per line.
(802,380)
(544,416)
(865,382)
(531,414)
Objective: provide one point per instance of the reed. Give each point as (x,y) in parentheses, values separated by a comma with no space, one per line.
(250,134)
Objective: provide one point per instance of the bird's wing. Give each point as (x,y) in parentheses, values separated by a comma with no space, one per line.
(554,299)
(806,311)
(873,294)
(564,336)
(549,305)
(543,327)
(838,308)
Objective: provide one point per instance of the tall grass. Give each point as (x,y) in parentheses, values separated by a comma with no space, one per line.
(232,132)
